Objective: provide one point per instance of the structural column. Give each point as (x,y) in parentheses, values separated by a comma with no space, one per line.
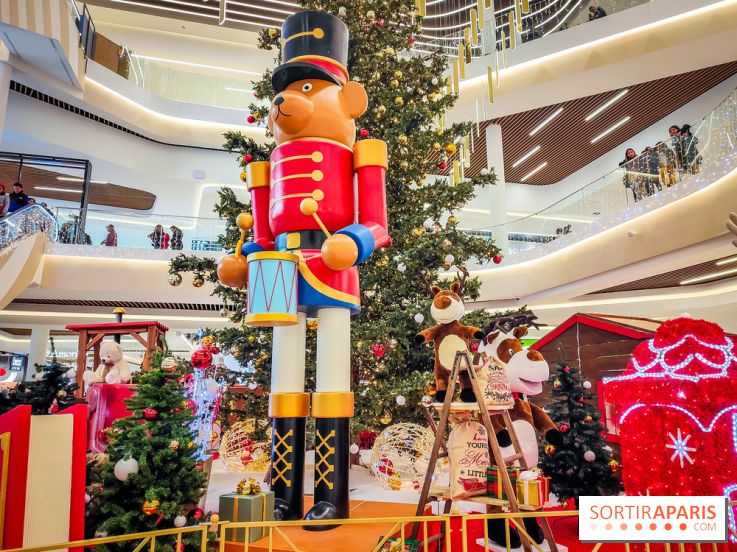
(498,192)
(38,348)
(5,72)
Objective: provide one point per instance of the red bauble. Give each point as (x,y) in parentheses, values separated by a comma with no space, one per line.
(564,427)
(442,165)
(251,119)
(566,369)
(379,350)
(474,347)
(411,40)
(215,350)
(379,22)
(3,371)
(497,259)
(248,158)
(197,514)
(364,133)
(54,408)
(201,359)
(150,413)
(102,436)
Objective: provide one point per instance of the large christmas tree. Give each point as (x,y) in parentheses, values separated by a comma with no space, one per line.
(408,98)
(583,464)
(149,477)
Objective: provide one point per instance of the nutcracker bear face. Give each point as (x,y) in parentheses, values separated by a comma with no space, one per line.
(315,108)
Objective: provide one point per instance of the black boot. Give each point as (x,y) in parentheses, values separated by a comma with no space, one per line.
(534,530)
(498,536)
(332,438)
(288,467)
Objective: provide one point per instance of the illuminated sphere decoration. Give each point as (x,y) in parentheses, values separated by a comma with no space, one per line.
(676,406)
(400,456)
(241,453)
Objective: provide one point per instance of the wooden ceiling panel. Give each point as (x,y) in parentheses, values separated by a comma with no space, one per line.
(109,195)
(565,143)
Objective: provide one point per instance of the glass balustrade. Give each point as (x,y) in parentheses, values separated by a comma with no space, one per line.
(139,230)
(543,18)
(669,171)
(25,222)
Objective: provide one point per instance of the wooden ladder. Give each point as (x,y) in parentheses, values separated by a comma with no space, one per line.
(429,493)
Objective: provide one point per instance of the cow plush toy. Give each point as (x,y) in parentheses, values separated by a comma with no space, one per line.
(449,336)
(527,371)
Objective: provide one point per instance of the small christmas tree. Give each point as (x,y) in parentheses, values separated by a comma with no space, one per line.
(51,391)
(150,478)
(583,464)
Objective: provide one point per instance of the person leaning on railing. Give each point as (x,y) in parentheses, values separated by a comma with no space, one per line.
(668,163)
(4,201)
(691,155)
(633,178)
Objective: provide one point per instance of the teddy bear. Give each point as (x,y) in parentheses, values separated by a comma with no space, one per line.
(113,367)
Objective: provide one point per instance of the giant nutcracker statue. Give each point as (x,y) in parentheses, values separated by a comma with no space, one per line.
(312,225)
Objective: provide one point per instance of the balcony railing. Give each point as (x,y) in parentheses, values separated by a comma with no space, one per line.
(25,222)
(661,175)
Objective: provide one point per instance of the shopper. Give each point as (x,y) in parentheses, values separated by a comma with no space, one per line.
(18,199)
(4,201)
(111,240)
(649,165)
(667,163)
(691,157)
(596,12)
(632,177)
(157,236)
(177,241)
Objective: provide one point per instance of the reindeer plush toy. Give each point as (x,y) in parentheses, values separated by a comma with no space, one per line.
(449,336)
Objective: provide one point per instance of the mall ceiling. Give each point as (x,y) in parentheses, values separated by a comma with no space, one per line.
(55,185)
(565,142)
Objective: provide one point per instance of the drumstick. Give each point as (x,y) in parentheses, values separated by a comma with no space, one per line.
(309,207)
(244,221)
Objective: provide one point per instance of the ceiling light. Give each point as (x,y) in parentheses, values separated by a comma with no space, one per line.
(708,276)
(77,179)
(534,171)
(611,129)
(606,104)
(50,189)
(526,156)
(549,118)
(237,89)
(727,261)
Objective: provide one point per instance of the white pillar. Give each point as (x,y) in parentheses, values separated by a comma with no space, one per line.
(38,348)
(498,192)
(5,72)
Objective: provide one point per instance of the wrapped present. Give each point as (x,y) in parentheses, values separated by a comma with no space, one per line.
(494,486)
(532,488)
(394,544)
(236,507)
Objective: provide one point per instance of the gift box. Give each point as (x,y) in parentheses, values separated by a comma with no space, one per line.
(493,483)
(394,544)
(533,489)
(253,507)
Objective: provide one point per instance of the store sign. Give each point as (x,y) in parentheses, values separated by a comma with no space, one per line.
(653,519)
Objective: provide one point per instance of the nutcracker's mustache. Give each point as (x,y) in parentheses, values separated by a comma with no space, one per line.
(280,112)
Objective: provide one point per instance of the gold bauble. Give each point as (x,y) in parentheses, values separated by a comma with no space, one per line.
(174,445)
(312,325)
(386,418)
(273,33)
(383,261)
(359,344)
(174,279)
(452,220)
(198,281)
(207,340)
(404,165)
(370,14)
(397,74)
(399,100)
(235,351)
(243,176)
(394,483)
(613,465)
(394,83)
(450,149)
(381,109)
(403,139)
(251,339)
(436,146)
(417,232)
(169,364)
(447,244)
(389,51)
(150,507)
(549,449)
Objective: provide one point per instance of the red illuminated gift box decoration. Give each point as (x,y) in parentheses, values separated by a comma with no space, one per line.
(676,405)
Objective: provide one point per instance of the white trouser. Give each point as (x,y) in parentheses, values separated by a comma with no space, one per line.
(333,353)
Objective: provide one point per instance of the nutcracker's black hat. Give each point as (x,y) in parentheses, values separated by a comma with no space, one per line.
(314,46)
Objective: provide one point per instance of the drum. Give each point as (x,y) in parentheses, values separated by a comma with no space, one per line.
(272,289)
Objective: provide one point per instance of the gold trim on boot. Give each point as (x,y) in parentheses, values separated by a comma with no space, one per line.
(332,405)
(289,405)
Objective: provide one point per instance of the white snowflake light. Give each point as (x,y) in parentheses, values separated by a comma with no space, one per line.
(681,450)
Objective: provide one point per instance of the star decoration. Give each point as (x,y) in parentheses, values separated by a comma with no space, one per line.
(680,448)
